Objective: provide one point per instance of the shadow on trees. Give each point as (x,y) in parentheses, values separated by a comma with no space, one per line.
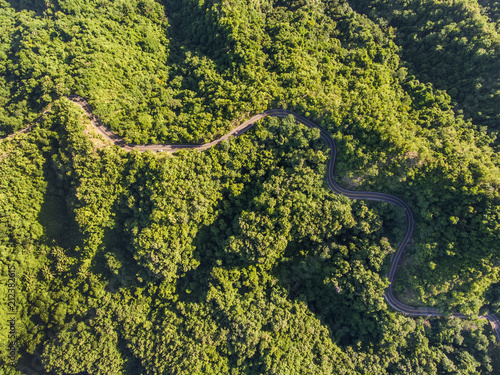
(344,312)
(194,29)
(37,6)
(445,44)
(211,245)
(59,228)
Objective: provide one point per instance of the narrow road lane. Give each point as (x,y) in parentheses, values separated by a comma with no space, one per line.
(372,196)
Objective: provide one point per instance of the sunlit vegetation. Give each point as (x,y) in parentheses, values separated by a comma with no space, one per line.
(240,259)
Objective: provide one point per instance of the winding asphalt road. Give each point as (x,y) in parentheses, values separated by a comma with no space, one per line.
(372,196)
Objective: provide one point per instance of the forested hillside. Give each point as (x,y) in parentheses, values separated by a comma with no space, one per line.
(451,44)
(240,259)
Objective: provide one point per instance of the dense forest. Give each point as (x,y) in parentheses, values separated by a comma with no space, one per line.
(240,259)
(453,45)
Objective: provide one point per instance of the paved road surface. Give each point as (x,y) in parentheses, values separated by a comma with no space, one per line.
(373,196)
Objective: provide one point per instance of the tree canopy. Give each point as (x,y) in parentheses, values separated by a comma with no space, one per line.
(240,259)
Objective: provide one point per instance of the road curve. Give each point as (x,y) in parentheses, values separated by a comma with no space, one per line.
(372,196)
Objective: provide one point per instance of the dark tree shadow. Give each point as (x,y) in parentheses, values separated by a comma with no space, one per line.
(210,242)
(37,6)
(341,311)
(194,29)
(59,226)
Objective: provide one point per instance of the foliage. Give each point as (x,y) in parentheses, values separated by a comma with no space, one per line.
(240,259)
(450,44)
